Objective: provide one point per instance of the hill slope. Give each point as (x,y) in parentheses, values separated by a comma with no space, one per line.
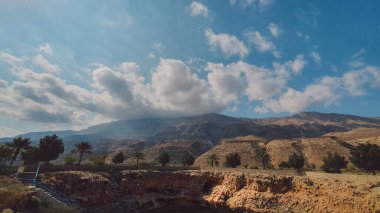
(212,128)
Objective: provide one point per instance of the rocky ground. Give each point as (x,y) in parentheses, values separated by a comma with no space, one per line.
(219,191)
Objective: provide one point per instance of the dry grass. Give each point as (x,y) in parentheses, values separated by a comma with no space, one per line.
(12,193)
(356,179)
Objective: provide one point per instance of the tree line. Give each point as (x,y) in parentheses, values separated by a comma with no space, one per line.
(366,157)
(51,146)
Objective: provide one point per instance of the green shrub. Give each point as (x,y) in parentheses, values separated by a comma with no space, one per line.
(309,182)
(232,160)
(333,163)
(350,168)
(366,156)
(296,161)
(164,158)
(186,158)
(118,159)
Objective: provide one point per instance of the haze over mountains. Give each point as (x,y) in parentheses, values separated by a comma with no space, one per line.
(213,127)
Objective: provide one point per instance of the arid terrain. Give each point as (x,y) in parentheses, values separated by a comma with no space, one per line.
(219,191)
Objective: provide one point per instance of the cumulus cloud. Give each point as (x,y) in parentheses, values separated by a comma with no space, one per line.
(198,9)
(261,43)
(174,89)
(45,64)
(228,44)
(257,83)
(274,30)
(324,92)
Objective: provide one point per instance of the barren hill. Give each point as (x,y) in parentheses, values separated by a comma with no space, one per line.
(313,149)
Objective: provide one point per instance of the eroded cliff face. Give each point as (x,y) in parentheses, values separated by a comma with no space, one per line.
(211,191)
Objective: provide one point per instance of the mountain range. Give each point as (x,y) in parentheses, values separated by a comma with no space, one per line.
(209,128)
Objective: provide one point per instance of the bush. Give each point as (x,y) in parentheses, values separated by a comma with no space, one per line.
(350,168)
(232,160)
(296,161)
(33,203)
(119,158)
(333,163)
(284,165)
(12,193)
(164,158)
(97,159)
(254,167)
(366,156)
(187,159)
(309,182)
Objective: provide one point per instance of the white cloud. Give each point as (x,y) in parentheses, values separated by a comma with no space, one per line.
(46,49)
(185,95)
(274,30)
(261,43)
(11,59)
(225,82)
(298,64)
(324,92)
(198,9)
(174,89)
(228,44)
(45,64)
(316,57)
(258,83)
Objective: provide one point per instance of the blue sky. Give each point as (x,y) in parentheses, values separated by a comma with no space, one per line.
(72,64)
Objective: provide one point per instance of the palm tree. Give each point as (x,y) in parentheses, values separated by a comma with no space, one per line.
(81,148)
(138,156)
(263,155)
(212,160)
(17,145)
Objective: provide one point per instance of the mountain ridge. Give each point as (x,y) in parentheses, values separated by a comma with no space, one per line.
(213,127)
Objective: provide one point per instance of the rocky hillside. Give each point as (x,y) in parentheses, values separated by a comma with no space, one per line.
(210,128)
(313,149)
(208,191)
